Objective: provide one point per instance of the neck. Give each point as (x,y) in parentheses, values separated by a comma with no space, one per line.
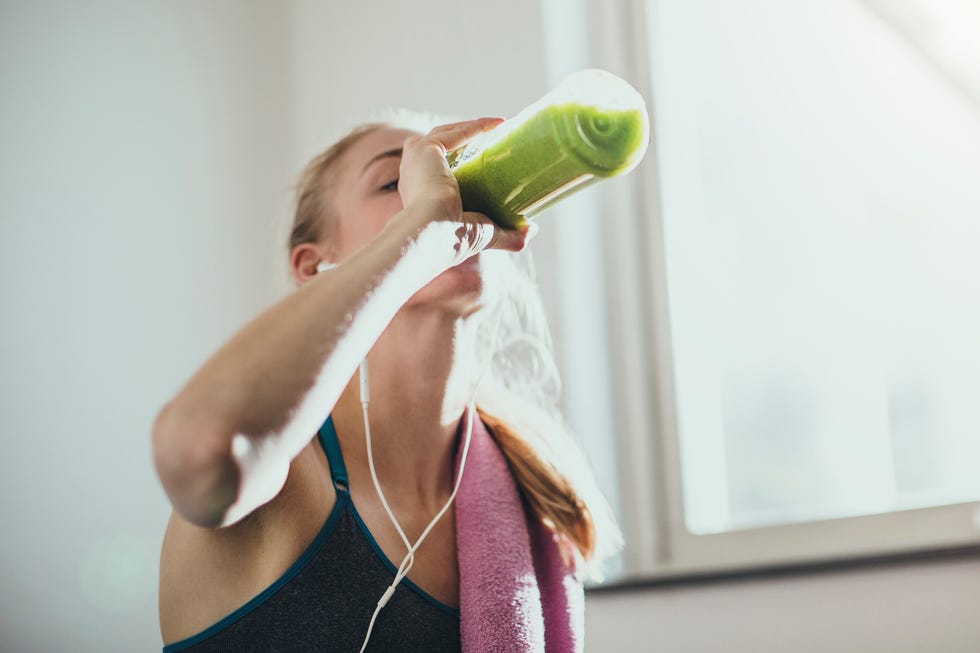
(421,374)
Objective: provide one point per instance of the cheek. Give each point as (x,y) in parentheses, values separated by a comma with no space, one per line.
(362,222)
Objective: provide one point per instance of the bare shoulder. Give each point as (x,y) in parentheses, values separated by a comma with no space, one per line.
(205,574)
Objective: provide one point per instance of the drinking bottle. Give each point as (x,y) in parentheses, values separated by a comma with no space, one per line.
(590,127)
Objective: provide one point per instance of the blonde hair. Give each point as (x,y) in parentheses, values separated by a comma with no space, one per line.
(313,211)
(518,398)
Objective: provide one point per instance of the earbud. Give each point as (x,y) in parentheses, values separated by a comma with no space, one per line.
(323,265)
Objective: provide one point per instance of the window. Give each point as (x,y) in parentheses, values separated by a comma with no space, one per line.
(810,255)
(822,224)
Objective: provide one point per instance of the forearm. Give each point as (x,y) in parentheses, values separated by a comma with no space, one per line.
(277,379)
(305,348)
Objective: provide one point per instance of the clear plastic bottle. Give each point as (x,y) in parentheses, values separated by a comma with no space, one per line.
(592,126)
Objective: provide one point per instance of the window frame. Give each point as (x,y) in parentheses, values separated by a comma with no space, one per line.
(650,488)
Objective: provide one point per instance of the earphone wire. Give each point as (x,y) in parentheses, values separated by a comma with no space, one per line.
(409,558)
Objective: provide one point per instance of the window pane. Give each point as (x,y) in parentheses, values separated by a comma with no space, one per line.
(821,193)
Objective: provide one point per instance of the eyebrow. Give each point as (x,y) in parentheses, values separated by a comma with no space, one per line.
(395,152)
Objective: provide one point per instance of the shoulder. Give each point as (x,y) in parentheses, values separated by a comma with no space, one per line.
(206,574)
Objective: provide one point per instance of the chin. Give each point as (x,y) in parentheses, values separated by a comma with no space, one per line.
(460,288)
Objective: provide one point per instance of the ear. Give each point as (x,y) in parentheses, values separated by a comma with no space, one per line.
(303,261)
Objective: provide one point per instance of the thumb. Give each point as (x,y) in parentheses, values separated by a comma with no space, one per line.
(513,240)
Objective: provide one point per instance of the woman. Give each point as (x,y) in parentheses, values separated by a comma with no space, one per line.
(253,487)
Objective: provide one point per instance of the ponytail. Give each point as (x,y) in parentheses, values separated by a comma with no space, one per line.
(549,494)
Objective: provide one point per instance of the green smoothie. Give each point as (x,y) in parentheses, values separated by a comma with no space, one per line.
(558,150)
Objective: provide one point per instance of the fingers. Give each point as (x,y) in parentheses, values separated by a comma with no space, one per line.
(492,121)
(455,135)
(511,240)
(425,175)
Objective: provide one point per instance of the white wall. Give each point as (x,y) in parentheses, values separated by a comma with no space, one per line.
(350,58)
(146,156)
(926,607)
(142,163)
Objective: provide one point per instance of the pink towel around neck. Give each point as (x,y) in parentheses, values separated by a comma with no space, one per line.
(516,594)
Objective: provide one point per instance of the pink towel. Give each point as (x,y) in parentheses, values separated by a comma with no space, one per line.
(516,594)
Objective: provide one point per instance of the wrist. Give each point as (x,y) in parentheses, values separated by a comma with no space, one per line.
(429,244)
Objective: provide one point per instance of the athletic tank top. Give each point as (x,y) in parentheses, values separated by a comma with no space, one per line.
(325,600)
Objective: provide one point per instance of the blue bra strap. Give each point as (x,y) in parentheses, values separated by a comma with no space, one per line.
(328,438)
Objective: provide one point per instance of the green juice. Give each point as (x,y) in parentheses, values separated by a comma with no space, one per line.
(558,150)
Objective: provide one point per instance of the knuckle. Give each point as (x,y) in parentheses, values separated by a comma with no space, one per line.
(431,139)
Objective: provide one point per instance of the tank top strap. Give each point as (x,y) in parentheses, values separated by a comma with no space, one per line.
(331,446)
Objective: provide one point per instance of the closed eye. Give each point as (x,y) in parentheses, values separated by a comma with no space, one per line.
(390,186)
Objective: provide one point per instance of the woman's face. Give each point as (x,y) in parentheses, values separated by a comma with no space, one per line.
(364,196)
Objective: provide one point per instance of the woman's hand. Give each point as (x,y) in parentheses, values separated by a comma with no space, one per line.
(430,191)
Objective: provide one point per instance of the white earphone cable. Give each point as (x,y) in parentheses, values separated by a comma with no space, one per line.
(409,559)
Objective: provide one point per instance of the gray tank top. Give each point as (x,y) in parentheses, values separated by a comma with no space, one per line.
(325,600)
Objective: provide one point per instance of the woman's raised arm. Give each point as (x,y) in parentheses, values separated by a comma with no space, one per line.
(222,447)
